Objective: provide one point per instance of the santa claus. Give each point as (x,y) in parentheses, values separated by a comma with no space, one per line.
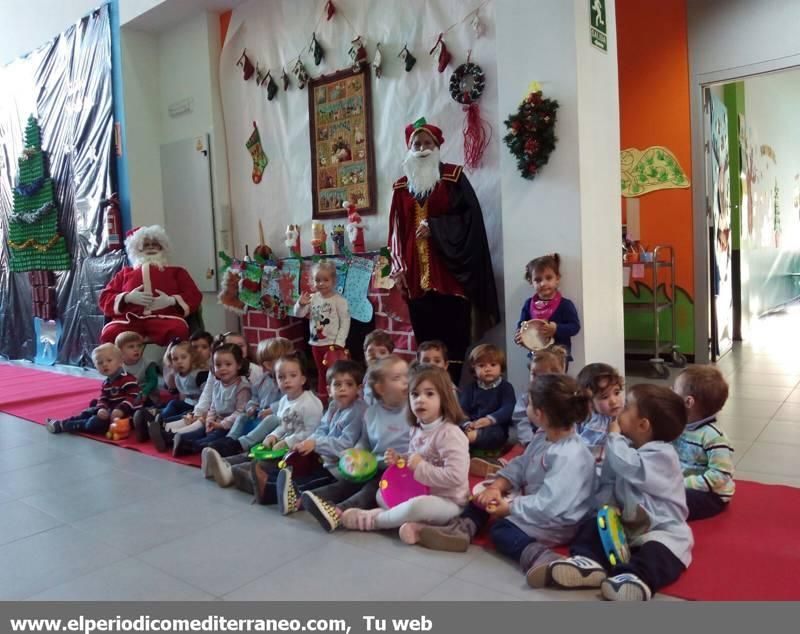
(440,255)
(149,297)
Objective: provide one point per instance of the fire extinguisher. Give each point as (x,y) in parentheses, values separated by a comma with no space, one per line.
(113,222)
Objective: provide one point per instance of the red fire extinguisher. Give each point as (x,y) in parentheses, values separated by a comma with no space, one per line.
(113,222)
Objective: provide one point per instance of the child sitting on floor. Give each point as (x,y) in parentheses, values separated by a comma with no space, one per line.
(438,456)
(554,480)
(131,344)
(230,394)
(254,370)
(339,430)
(488,403)
(264,399)
(553,360)
(642,476)
(377,345)
(603,384)
(433,352)
(385,428)
(118,396)
(201,344)
(298,410)
(704,450)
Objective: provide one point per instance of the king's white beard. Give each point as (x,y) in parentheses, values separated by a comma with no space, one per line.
(422,171)
(159,260)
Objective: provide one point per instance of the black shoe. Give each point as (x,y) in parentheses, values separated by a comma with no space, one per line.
(322,511)
(140,424)
(156,434)
(264,490)
(54,426)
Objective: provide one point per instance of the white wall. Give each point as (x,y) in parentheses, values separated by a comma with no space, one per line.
(728,40)
(572,207)
(27,24)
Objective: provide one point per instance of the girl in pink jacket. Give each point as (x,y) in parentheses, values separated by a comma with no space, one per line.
(438,456)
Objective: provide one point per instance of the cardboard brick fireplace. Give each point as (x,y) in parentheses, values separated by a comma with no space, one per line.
(257,326)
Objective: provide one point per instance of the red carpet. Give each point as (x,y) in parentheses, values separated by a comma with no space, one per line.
(37,395)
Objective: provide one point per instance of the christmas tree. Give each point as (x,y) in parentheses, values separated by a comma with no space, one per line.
(33,234)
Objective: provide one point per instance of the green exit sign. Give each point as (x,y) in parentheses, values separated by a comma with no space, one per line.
(598,28)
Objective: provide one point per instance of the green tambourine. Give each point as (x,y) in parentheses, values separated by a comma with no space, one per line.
(612,535)
(358,465)
(260,452)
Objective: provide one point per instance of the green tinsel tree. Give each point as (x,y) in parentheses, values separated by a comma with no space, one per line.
(33,234)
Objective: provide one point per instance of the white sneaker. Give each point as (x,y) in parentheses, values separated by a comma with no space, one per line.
(219,468)
(625,587)
(577,572)
(204,462)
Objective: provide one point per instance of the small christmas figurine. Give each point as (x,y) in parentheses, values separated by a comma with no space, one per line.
(408,58)
(293,240)
(377,61)
(358,53)
(301,73)
(355,228)
(316,48)
(318,242)
(284,79)
(246,65)
(441,54)
(337,237)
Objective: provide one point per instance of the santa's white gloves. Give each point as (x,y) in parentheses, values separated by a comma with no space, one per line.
(161,301)
(139,297)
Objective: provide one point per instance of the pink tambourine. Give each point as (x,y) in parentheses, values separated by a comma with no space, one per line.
(398,485)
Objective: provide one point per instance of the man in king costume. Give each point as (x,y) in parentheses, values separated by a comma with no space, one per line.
(149,297)
(440,255)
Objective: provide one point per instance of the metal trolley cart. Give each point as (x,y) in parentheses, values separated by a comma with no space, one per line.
(663,259)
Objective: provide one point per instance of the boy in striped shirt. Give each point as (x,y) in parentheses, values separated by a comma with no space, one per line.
(705,452)
(118,395)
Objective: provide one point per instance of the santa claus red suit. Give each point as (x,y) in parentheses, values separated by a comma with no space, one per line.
(440,253)
(149,297)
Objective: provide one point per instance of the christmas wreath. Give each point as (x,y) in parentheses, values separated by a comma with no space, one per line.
(531,133)
(467,83)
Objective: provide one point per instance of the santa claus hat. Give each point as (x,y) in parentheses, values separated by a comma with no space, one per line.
(421,125)
(135,239)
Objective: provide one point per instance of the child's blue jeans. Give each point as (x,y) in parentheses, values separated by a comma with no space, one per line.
(174,410)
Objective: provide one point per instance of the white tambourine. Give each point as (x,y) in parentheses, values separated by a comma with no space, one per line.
(530,337)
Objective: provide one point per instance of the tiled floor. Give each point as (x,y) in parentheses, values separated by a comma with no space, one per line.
(85,520)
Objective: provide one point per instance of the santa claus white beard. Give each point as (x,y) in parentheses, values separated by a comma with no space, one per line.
(157,259)
(422,170)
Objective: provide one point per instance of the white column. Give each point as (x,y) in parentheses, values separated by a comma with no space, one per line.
(573,205)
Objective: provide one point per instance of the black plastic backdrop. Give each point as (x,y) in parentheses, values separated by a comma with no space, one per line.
(66,84)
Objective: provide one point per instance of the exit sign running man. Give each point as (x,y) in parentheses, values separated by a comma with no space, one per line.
(598,28)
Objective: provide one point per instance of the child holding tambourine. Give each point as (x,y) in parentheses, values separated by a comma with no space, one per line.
(547,318)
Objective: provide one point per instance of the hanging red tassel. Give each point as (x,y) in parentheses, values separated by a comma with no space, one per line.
(477,134)
(329,10)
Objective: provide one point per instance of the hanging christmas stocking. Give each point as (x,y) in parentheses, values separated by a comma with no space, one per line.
(250,285)
(341,275)
(356,289)
(260,159)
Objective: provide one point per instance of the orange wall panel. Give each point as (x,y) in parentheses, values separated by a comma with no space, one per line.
(653,60)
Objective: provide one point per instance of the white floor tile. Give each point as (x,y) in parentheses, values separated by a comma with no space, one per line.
(459,590)
(339,572)
(778,459)
(18,520)
(788,412)
(31,565)
(743,408)
(742,429)
(125,580)
(759,392)
(746,376)
(767,478)
(781,433)
(794,397)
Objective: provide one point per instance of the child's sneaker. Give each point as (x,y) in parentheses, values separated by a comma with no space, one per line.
(54,426)
(219,469)
(322,511)
(287,492)
(176,445)
(453,537)
(140,424)
(625,587)
(204,463)
(577,572)
(360,519)
(156,433)
(409,532)
(483,467)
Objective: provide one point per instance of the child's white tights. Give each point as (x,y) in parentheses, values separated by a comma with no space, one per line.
(430,509)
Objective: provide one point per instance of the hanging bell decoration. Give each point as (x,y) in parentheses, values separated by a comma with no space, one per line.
(407,58)
(246,65)
(272,87)
(316,49)
(285,79)
(440,53)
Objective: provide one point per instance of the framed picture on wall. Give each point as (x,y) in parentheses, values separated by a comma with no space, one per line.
(342,153)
